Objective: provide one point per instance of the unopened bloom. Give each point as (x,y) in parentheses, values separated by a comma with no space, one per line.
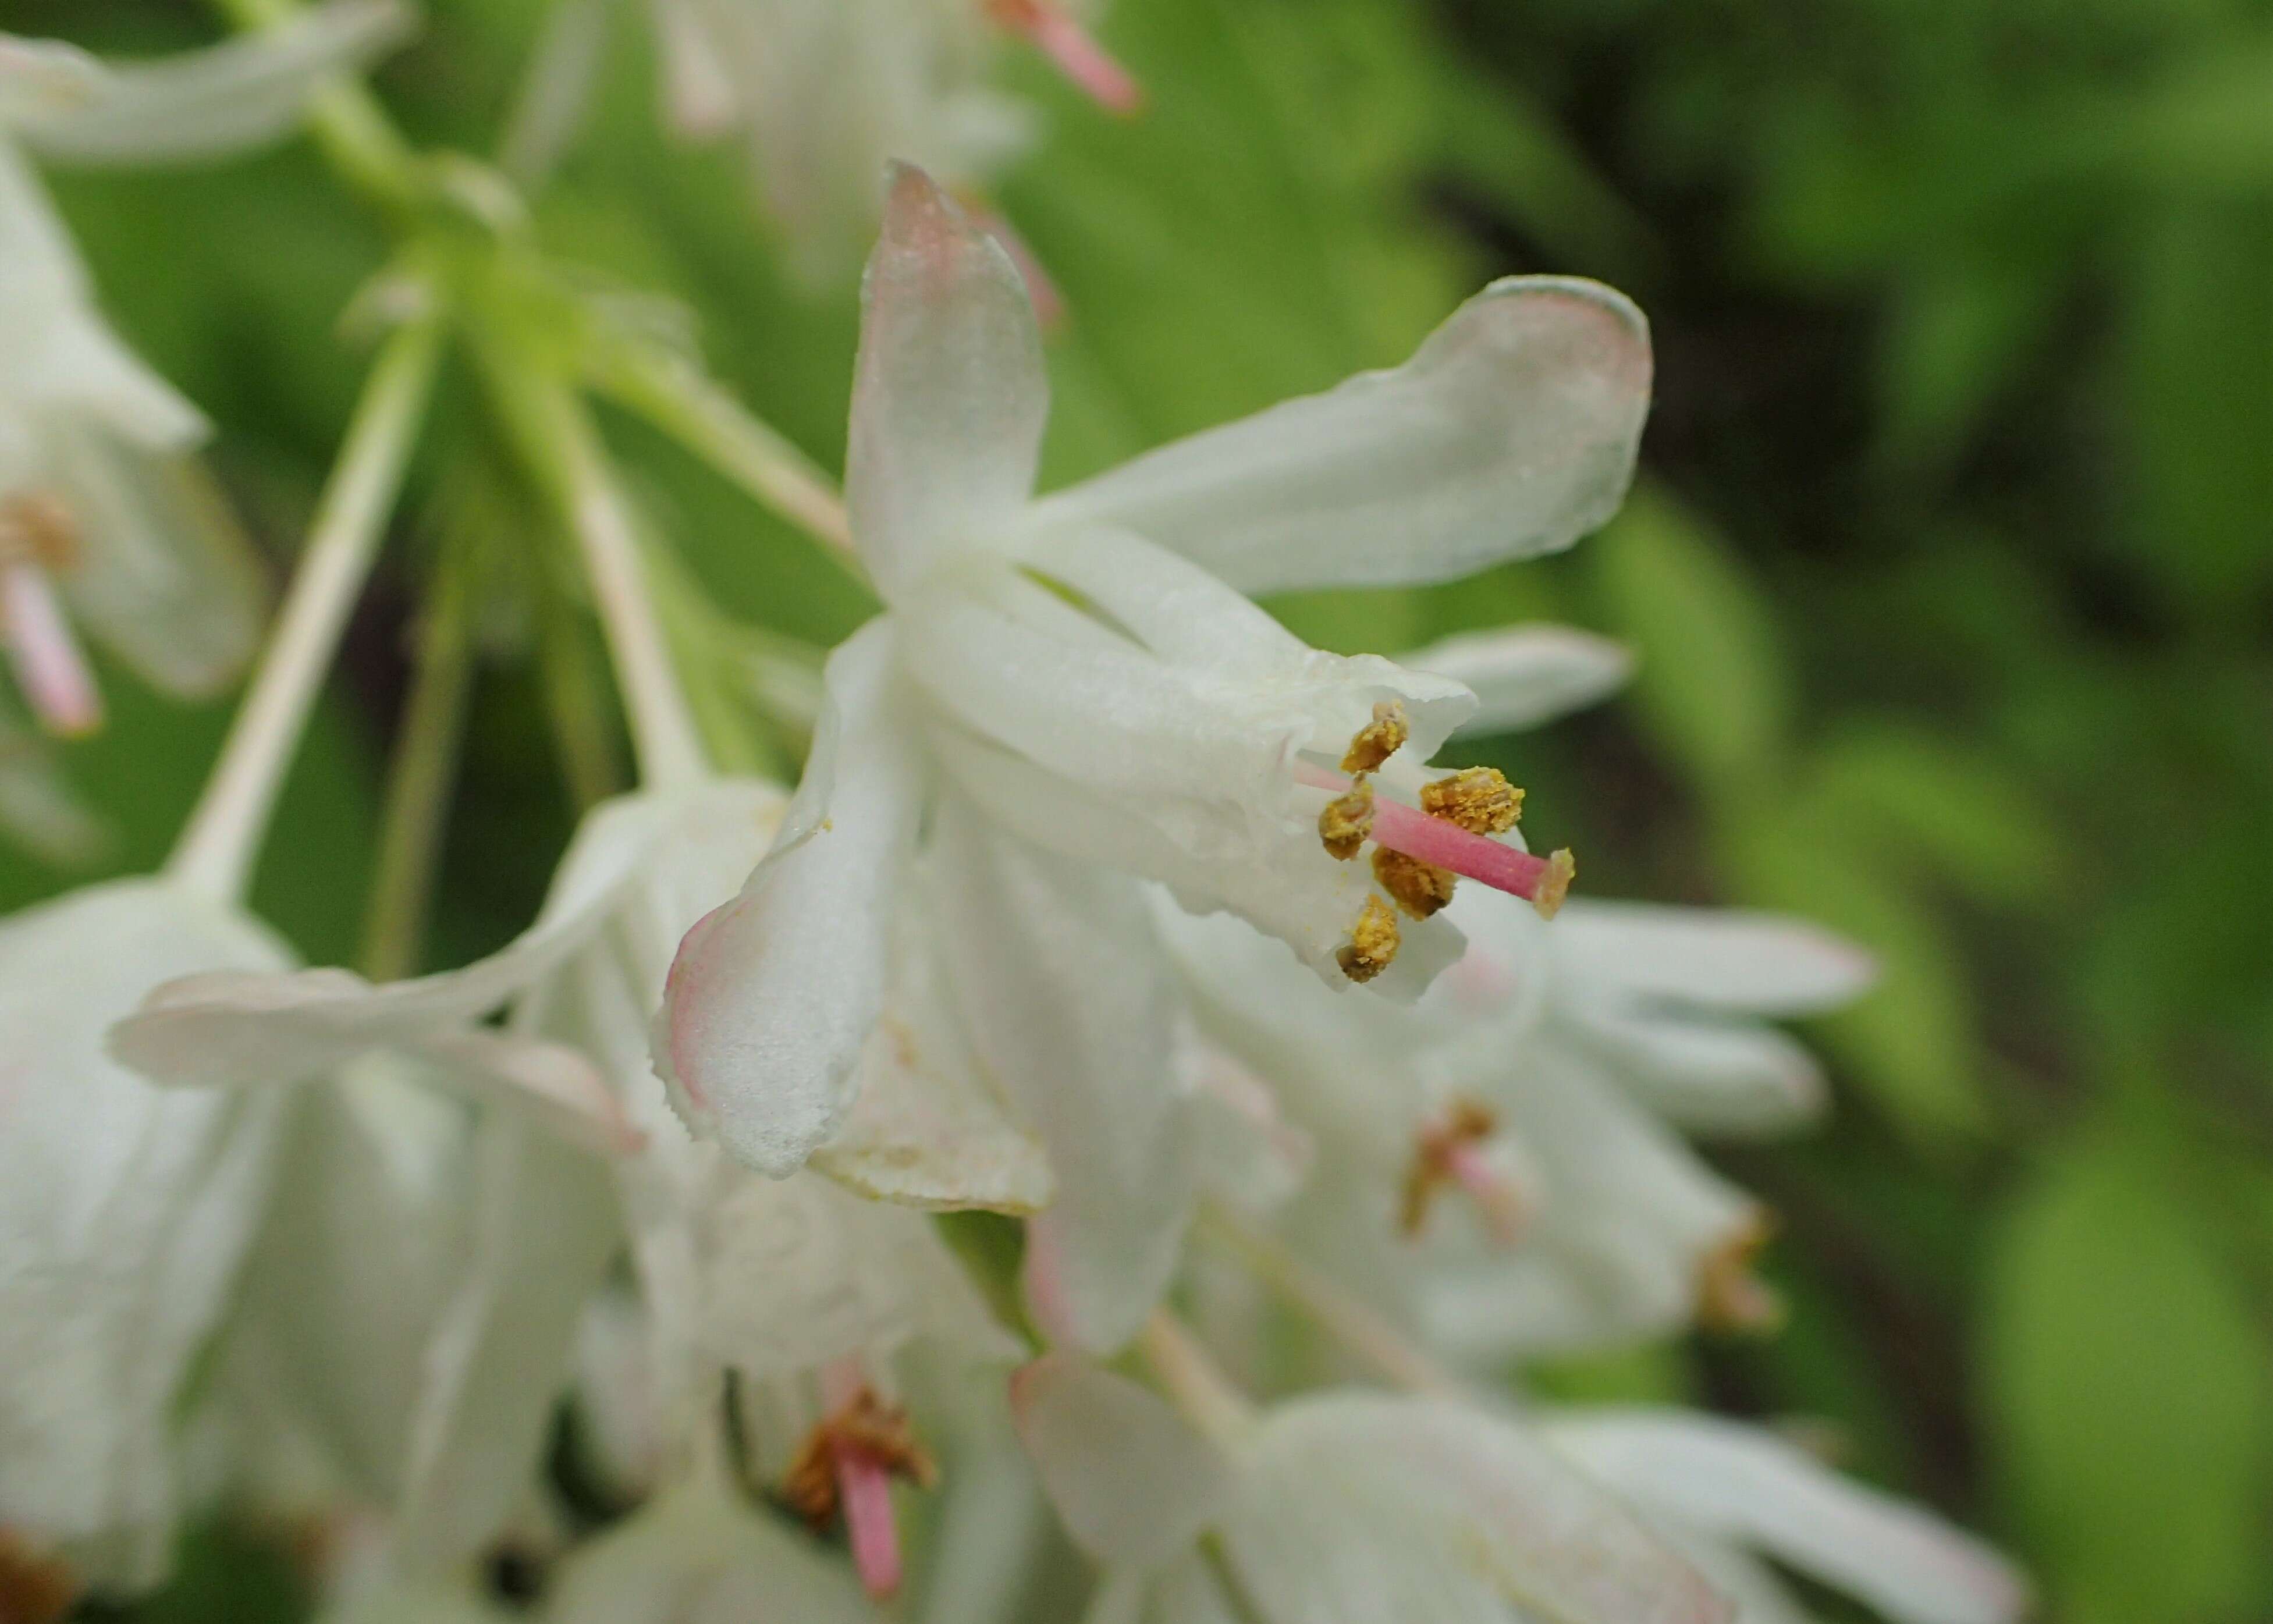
(124,1210)
(828,91)
(1340,1507)
(102,519)
(1069,691)
(1730,1495)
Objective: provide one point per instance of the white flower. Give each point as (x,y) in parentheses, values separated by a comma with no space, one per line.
(428,1364)
(123,1212)
(1060,688)
(100,513)
(828,91)
(1341,1507)
(1730,1494)
(697,1555)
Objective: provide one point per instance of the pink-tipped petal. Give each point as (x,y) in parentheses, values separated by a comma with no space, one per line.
(1049,304)
(53,672)
(1059,36)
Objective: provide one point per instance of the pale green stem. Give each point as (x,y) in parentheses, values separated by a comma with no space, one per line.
(1341,1315)
(1199,1390)
(575,698)
(421,781)
(716,427)
(216,849)
(345,119)
(562,447)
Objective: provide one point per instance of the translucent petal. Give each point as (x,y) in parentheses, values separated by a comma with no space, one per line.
(948,393)
(1523,675)
(221,99)
(124,1212)
(1713,958)
(1131,1479)
(773,995)
(1707,1076)
(1510,432)
(1066,998)
(1743,1483)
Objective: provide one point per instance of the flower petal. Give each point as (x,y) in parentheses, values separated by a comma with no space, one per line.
(1066,998)
(1523,675)
(1131,1480)
(1740,1482)
(1510,432)
(1707,1076)
(221,99)
(949,395)
(773,995)
(1713,958)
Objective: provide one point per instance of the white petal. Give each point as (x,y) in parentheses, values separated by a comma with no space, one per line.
(1709,1077)
(558,1086)
(1510,432)
(773,995)
(926,1128)
(1523,675)
(1066,998)
(41,77)
(1713,958)
(543,1228)
(797,1274)
(949,395)
(1131,1481)
(223,99)
(1448,1510)
(276,1029)
(698,1556)
(124,1212)
(1743,1483)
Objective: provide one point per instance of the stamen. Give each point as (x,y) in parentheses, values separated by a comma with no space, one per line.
(34,1589)
(1346,822)
(1449,1152)
(845,1468)
(1379,739)
(1373,942)
(1730,1296)
(1417,887)
(1480,799)
(1541,881)
(1078,55)
(48,665)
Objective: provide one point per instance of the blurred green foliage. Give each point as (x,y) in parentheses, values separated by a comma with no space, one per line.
(1951,575)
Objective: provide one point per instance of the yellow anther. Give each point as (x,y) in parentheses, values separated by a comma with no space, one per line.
(1418,888)
(1379,740)
(1346,822)
(1730,1296)
(1479,799)
(1555,884)
(1373,942)
(867,1426)
(36,528)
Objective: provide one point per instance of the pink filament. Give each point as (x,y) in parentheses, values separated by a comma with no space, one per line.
(864,1488)
(54,674)
(1076,51)
(1441,844)
(1495,1194)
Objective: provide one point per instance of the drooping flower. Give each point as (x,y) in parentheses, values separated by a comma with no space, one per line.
(805,1290)
(1339,1508)
(103,519)
(828,91)
(1729,1495)
(1069,691)
(123,1212)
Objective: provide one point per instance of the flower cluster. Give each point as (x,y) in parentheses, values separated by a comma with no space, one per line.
(814,1152)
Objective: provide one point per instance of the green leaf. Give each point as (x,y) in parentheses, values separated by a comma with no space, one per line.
(2128,1390)
(1712,682)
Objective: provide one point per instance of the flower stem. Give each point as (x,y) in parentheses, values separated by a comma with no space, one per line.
(346,120)
(217,849)
(421,779)
(1348,1319)
(1200,1391)
(716,427)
